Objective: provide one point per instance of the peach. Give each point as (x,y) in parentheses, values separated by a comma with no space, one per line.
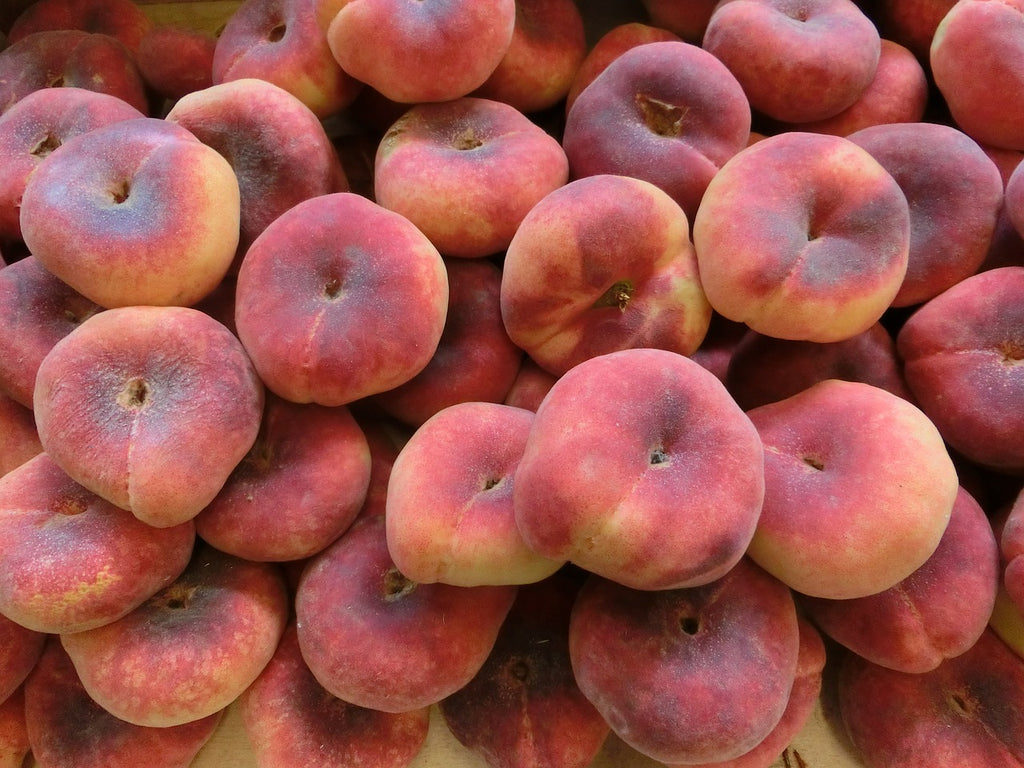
(35,126)
(803,236)
(150,408)
(66,727)
(121,19)
(214,628)
(279,41)
(524,708)
(475,360)
(73,561)
(976,51)
(530,385)
(677,107)
(764,369)
(448,168)
(278,149)
(642,658)
(288,716)
(15,748)
(134,212)
(859,489)
(376,639)
(898,93)
(1013,199)
(954,191)
(21,438)
(962,353)
(1009,526)
(797,60)
(449,509)
(608,47)
(414,53)
(70,57)
(322,273)
(175,60)
(22,648)
(967,711)
(615,473)
(936,613)
(911,23)
(803,697)
(38,309)
(548,43)
(299,487)
(602,264)
(688,20)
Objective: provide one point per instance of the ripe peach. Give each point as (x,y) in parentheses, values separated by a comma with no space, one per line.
(859,489)
(121,19)
(322,273)
(134,212)
(288,716)
(14,744)
(642,658)
(214,629)
(66,727)
(688,20)
(175,60)
(73,561)
(601,264)
(447,167)
(150,408)
(677,107)
(615,473)
(803,236)
(22,648)
(361,621)
(21,439)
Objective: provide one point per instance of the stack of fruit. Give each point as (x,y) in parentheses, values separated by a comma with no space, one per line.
(621,385)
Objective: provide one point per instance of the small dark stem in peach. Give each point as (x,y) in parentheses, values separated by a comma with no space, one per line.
(1012,352)
(45,146)
(332,288)
(690,624)
(491,482)
(618,295)
(662,118)
(397,585)
(135,394)
(56,82)
(658,456)
(814,463)
(176,597)
(120,192)
(276,32)
(520,670)
(70,505)
(960,703)
(467,140)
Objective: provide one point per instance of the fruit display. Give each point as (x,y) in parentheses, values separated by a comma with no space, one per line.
(511,383)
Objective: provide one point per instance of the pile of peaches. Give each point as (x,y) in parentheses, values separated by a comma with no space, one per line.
(653,373)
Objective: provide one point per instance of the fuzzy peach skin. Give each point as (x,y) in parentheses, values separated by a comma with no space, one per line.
(936,613)
(466,172)
(859,489)
(524,708)
(898,93)
(601,264)
(548,43)
(298,488)
(911,23)
(322,273)
(66,727)
(607,48)
(288,717)
(977,51)
(14,743)
(678,109)
(688,20)
(797,60)
(803,236)
(214,629)
(22,648)
(150,408)
(416,52)
(135,212)
(963,356)
(37,309)
(449,508)
(640,467)
(376,639)
(73,561)
(475,360)
(764,369)
(175,60)
(279,41)
(121,19)
(279,150)
(21,439)
(643,658)
(38,124)
(955,193)
(965,712)
(63,57)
